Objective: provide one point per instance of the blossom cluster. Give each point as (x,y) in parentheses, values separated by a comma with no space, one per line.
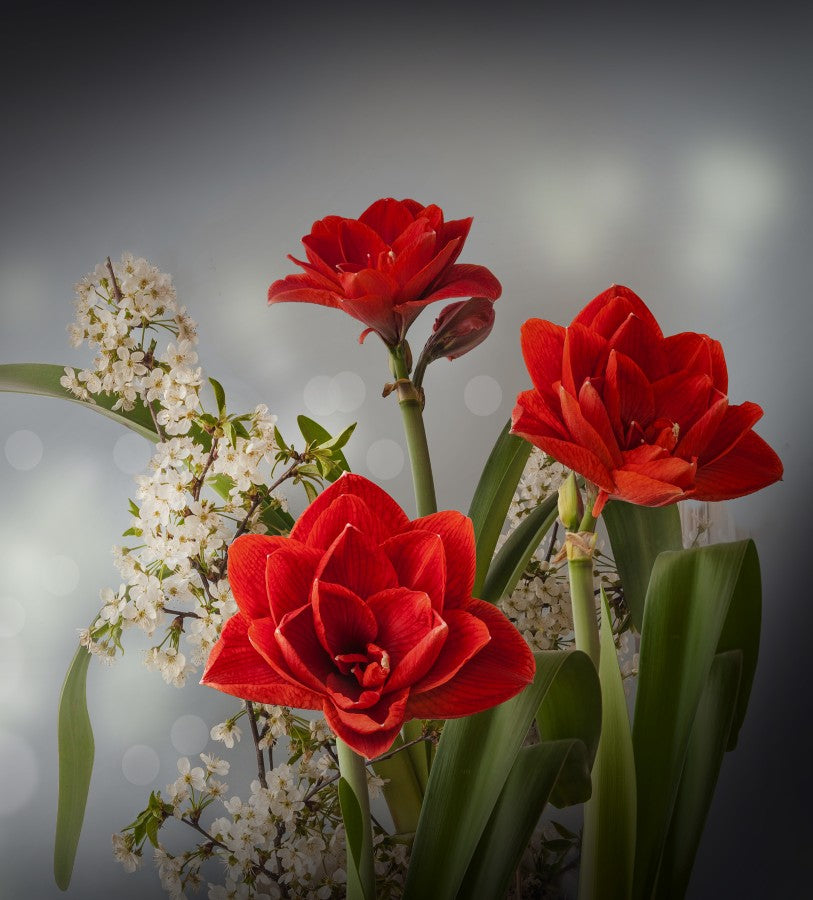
(205,482)
(285,840)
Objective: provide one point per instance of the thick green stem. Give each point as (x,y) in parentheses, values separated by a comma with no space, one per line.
(412,415)
(360,873)
(583,602)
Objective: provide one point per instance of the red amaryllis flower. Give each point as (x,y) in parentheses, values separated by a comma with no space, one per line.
(385,266)
(644,417)
(367,616)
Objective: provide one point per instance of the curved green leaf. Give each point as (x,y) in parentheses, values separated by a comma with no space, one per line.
(43,379)
(704,757)
(76,749)
(513,557)
(608,839)
(700,602)
(637,535)
(473,761)
(523,798)
(314,433)
(492,497)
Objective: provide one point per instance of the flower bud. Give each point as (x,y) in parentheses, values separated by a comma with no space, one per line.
(570,503)
(460,327)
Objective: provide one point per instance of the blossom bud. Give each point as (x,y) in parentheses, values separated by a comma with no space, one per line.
(460,327)
(570,503)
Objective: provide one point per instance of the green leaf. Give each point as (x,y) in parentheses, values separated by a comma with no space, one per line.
(76,749)
(637,535)
(523,798)
(43,379)
(314,433)
(354,829)
(276,519)
(220,396)
(513,557)
(310,490)
(492,497)
(700,603)
(704,757)
(608,841)
(222,484)
(473,761)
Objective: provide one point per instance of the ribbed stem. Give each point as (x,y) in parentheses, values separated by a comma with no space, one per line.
(583,601)
(361,879)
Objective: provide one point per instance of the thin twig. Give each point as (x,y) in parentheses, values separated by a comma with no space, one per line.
(552,542)
(256,735)
(116,289)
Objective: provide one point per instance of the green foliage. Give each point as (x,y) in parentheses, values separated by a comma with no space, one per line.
(700,637)
(493,495)
(474,765)
(76,750)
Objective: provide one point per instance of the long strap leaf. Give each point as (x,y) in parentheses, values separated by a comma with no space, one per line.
(637,535)
(513,557)
(474,758)
(43,379)
(76,749)
(700,602)
(492,497)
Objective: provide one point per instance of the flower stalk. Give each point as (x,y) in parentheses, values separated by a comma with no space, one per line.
(580,547)
(360,874)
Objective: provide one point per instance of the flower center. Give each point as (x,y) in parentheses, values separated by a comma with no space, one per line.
(370,669)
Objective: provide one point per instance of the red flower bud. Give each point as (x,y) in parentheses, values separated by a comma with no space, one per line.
(460,327)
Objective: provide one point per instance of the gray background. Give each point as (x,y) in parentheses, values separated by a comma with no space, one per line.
(665,150)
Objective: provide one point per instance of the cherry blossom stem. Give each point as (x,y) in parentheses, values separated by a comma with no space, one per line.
(255,734)
(360,874)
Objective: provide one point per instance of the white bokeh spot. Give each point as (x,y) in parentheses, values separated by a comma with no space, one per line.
(348,391)
(482,395)
(131,453)
(319,396)
(12,617)
(385,459)
(23,450)
(140,765)
(189,735)
(18,761)
(59,575)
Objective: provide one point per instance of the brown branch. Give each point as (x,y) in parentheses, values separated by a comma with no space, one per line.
(116,289)
(256,736)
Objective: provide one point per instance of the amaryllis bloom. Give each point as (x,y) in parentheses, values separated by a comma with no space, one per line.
(367,616)
(385,266)
(645,417)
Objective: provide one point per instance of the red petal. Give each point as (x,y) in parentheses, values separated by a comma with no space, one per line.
(575,457)
(455,229)
(539,415)
(644,490)
(623,301)
(359,243)
(542,349)
(389,518)
(246,570)
(355,562)
(289,575)
(695,439)
(671,470)
(457,534)
(595,412)
(690,354)
(583,356)
(371,732)
(419,560)
(628,394)
(749,466)
(583,433)
(322,243)
(301,289)
(405,618)
(388,218)
(300,654)
(236,668)
(463,280)
(737,421)
(418,280)
(343,621)
(467,636)
(635,339)
(378,313)
(347,509)
(503,668)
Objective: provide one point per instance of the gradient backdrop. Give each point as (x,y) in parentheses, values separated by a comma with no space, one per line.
(669,151)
